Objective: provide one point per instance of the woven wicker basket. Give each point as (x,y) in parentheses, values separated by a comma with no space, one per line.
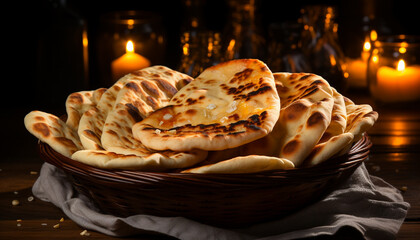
(227,200)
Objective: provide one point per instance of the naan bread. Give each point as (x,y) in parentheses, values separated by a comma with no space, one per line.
(360,118)
(132,99)
(334,138)
(306,108)
(90,128)
(227,105)
(338,118)
(78,103)
(244,164)
(150,161)
(135,101)
(53,131)
(328,149)
(92,121)
(166,79)
(306,116)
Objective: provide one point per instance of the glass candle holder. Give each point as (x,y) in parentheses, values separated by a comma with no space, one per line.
(129,41)
(321,46)
(394,69)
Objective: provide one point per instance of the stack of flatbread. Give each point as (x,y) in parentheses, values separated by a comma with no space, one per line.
(235,117)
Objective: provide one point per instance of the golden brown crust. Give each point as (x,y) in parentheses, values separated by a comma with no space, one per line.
(226,106)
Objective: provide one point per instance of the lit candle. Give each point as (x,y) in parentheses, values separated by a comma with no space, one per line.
(398,85)
(128,62)
(357,68)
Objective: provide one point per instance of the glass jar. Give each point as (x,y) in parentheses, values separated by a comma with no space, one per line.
(200,51)
(394,69)
(321,47)
(285,48)
(242,35)
(128,41)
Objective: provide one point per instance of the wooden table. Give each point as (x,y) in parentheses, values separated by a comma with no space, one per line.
(395,157)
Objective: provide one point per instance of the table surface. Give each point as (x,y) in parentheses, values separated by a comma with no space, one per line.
(395,157)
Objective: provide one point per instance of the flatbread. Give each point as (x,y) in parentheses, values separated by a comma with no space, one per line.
(360,118)
(135,101)
(53,131)
(227,105)
(306,108)
(78,103)
(150,161)
(92,122)
(334,138)
(328,149)
(244,164)
(133,98)
(338,122)
(90,128)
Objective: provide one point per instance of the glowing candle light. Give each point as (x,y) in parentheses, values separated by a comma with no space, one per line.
(128,62)
(400,84)
(357,68)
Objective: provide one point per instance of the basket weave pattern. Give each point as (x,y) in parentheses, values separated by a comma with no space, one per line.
(227,200)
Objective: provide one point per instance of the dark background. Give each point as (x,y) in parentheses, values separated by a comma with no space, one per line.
(41,43)
(43,37)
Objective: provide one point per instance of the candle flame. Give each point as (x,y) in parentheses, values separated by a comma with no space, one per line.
(129,47)
(373,35)
(366,46)
(130,23)
(403,48)
(401,65)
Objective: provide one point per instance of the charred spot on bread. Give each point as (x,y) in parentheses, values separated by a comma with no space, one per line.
(42,129)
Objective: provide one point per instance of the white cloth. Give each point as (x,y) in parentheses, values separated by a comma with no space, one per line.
(365,203)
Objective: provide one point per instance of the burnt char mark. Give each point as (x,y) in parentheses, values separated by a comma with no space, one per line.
(134,112)
(240,89)
(207,130)
(76,98)
(206,126)
(235,117)
(183,82)
(133,86)
(241,76)
(238,95)
(112,132)
(191,101)
(291,147)
(258,91)
(305,77)
(265,69)
(295,110)
(90,134)
(42,129)
(315,151)
(317,82)
(65,141)
(309,91)
(191,112)
(315,119)
(39,118)
(138,73)
(236,133)
(151,101)
(263,115)
(150,89)
(166,87)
